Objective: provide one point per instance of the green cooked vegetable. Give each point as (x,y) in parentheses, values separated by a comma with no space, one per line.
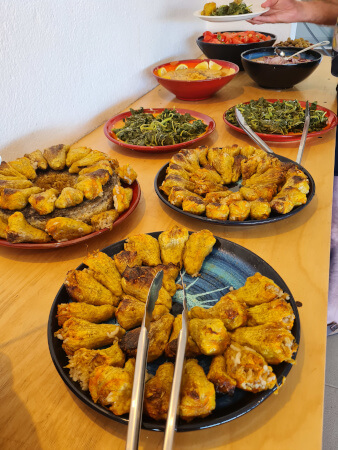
(233,9)
(167,128)
(281,117)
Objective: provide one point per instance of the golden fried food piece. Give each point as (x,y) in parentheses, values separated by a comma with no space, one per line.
(130,312)
(192,348)
(37,160)
(232,312)
(219,377)
(158,337)
(210,335)
(126,259)
(157,392)
(89,160)
(8,172)
(178,194)
(249,369)
(136,281)
(112,386)
(56,156)
(14,199)
(104,164)
(78,333)
(15,184)
(231,197)
(222,162)
(170,273)
(217,211)
(248,151)
(84,361)
(239,210)
(259,192)
(205,186)
(274,342)
(237,168)
(217,197)
(146,247)
(287,199)
(202,153)
(257,289)
(24,166)
(206,173)
(193,205)
(91,313)
(105,219)
(91,187)
(3,227)
(249,167)
(19,230)
(277,311)
(69,197)
(44,202)
(105,271)
(187,159)
(175,169)
(172,243)
(82,287)
(122,198)
(63,229)
(127,174)
(74,154)
(272,176)
(198,397)
(176,180)
(101,175)
(296,178)
(259,209)
(197,248)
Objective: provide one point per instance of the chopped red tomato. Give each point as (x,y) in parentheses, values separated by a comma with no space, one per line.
(241,37)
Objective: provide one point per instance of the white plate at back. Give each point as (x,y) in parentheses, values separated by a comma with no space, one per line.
(257,12)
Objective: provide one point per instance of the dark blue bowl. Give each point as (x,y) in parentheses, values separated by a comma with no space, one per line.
(274,76)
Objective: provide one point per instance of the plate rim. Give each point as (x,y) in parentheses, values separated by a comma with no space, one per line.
(230,18)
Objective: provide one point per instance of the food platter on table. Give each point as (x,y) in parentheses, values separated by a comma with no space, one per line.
(117,121)
(258,11)
(291,137)
(227,266)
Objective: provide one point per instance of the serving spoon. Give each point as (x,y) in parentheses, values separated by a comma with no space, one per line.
(281,53)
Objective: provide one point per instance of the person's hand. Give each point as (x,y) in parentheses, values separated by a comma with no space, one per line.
(281,11)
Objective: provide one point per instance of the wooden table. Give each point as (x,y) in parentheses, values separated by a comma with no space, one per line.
(38,411)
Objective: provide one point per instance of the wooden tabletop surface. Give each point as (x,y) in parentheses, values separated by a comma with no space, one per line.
(36,408)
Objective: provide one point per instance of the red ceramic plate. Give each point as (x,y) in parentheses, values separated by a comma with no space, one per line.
(48,245)
(292,137)
(117,121)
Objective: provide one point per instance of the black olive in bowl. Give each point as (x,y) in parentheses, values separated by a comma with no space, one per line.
(231,52)
(277,76)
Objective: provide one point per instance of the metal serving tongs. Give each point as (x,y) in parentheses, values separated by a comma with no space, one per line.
(136,407)
(304,134)
(176,386)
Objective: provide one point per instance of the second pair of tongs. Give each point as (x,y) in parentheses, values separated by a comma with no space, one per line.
(249,131)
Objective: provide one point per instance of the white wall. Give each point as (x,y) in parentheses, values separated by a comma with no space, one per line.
(66,66)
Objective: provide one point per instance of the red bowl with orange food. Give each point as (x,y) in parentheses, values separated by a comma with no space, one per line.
(195,79)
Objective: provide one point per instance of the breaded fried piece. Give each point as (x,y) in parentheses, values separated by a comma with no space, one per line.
(187,159)
(198,397)
(219,377)
(205,186)
(248,150)
(63,229)
(274,342)
(69,197)
(14,199)
(82,287)
(158,337)
(19,230)
(178,194)
(122,198)
(259,210)
(7,171)
(257,289)
(231,197)
(216,197)
(176,180)
(170,273)
(3,227)
(37,160)
(192,348)
(130,312)
(104,164)
(259,192)
(91,187)
(112,386)
(271,176)
(127,174)
(197,248)
(202,153)
(15,184)
(217,211)
(74,154)
(56,156)
(105,219)
(249,167)
(210,335)
(78,333)
(239,210)
(287,199)
(91,313)
(84,361)
(232,312)
(89,160)
(206,173)
(146,247)
(24,166)
(101,175)
(44,202)
(237,168)
(105,271)
(193,205)
(234,150)
(277,311)
(222,162)
(126,259)
(175,169)
(172,243)
(297,178)
(249,369)
(157,392)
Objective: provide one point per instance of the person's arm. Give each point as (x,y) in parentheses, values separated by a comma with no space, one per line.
(287,11)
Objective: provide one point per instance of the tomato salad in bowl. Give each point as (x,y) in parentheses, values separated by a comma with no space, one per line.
(235,37)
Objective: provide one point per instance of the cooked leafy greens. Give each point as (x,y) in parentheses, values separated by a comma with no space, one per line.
(281,117)
(233,9)
(167,128)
